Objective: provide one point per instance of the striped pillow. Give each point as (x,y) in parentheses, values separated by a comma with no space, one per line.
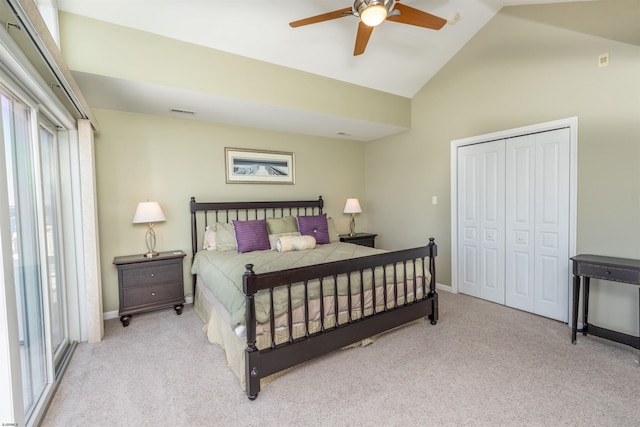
(251,235)
(315,226)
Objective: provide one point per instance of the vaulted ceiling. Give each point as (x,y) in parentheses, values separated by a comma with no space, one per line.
(399,58)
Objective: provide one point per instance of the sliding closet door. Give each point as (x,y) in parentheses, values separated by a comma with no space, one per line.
(537,223)
(481,225)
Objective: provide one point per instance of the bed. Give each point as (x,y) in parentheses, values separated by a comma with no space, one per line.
(274,299)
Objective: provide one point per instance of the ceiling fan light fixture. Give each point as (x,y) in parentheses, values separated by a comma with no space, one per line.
(374,14)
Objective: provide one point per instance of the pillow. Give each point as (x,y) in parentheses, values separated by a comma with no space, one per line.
(333,233)
(295,243)
(287,224)
(251,235)
(316,226)
(209,239)
(273,238)
(225,237)
(302,243)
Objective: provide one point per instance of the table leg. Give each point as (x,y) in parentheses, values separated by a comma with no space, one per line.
(585,306)
(576,300)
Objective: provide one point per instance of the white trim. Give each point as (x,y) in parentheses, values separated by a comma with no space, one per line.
(107,315)
(11,402)
(572,124)
(445,288)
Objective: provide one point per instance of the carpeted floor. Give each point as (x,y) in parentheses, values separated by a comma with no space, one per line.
(482,364)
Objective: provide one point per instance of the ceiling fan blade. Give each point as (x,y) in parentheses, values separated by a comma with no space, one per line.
(362,38)
(324,17)
(413,16)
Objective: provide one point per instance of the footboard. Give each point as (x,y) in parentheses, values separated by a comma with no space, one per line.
(405,297)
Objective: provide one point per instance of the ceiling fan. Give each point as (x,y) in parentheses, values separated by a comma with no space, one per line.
(373,13)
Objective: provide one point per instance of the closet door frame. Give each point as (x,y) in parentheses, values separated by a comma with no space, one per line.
(572,124)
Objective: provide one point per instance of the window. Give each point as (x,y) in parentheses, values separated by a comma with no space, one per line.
(33,195)
(27,268)
(53,235)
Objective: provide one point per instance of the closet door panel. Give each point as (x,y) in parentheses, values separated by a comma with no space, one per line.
(552,224)
(468,206)
(492,221)
(519,218)
(481,220)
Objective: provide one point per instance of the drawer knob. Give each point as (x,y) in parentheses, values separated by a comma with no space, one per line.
(153,294)
(151,274)
(608,273)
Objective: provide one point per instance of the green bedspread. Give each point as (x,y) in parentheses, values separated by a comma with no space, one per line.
(222,273)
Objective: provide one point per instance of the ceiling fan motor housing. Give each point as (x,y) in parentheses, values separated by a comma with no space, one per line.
(360,5)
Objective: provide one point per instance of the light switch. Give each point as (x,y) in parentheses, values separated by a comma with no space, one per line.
(434,200)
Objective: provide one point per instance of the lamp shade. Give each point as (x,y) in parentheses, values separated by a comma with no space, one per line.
(148,212)
(352,206)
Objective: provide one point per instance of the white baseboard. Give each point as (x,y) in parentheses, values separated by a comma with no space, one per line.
(441,287)
(109,315)
(114,314)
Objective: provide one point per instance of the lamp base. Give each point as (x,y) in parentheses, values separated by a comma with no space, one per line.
(150,240)
(352,225)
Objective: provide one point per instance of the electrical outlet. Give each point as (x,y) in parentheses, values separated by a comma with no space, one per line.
(603,60)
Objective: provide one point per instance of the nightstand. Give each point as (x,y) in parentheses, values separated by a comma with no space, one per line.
(363,239)
(147,284)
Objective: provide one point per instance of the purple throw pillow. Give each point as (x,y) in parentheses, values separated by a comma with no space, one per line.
(315,226)
(251,235)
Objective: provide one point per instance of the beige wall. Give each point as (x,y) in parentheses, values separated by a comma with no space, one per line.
(100,48)
(521,69)
(140,158)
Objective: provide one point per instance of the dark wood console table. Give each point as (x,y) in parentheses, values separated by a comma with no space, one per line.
(605,268)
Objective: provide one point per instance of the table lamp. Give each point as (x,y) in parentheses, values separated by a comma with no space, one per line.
(149,213)
(352,207)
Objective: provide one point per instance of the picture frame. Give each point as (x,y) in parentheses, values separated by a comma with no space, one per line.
(248,166)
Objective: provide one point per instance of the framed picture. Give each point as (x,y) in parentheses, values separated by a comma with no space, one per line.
(259,166)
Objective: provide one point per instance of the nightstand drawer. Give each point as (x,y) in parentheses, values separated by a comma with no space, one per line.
(609,273)
(151,295)
(141,276)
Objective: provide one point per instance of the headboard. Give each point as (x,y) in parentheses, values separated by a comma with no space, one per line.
(227,211)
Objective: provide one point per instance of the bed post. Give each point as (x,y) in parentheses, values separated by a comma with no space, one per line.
(194,240)
(433,252)
(252,355)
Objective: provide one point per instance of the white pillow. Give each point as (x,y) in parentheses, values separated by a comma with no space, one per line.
(295,243)
(273,238)
(209,239)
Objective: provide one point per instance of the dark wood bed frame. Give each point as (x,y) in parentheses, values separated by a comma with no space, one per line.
(262,363)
